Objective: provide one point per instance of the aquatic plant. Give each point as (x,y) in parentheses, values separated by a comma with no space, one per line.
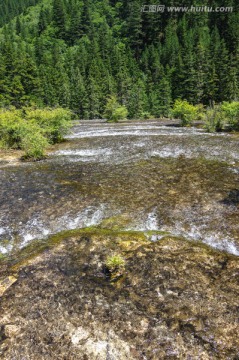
(115,263)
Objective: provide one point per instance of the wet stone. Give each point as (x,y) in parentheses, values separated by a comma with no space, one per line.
(176,300)
(5,283)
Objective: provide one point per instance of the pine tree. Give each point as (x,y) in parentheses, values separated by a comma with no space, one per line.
(134,27)
(17,92)
(85,20)
(42,22)
(59,18)
(79,98)
(4,85)
(93,109)
(18,26)
(137,100)
(164,95)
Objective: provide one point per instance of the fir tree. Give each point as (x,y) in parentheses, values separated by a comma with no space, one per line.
(59,18)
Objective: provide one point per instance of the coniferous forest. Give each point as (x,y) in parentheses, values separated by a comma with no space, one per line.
(77,53)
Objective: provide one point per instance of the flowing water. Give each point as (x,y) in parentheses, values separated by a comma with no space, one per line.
(148,176)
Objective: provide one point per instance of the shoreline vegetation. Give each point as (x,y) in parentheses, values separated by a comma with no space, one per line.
(33,130)
(28,132)
(110,59)
(224,116)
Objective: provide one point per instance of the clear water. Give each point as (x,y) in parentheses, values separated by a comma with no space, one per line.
(180,180)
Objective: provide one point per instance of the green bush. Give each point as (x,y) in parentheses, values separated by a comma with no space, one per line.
(214,119)
(231,111)
(225,115)
(11,123)
(146,115)
(54,122)
(114,111)
(33,129)
(185,112)
(34,143)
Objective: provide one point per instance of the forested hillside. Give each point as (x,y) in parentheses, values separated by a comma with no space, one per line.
(75,53)
(11,8)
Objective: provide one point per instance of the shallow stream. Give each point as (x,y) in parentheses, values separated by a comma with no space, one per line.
(148,176)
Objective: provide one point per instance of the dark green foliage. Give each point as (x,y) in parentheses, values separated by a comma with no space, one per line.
(11,8)
(59,18)
(43,21)
(77,53)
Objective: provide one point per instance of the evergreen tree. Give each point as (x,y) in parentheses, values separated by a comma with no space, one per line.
(18,26)
(85,20)
(42,22)
(165,96)
(137,100)
(134,27)
(59,18)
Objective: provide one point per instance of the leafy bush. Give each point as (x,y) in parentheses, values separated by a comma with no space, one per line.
(214,119)
(34,143)
(146,115)
(221,116)
(33,129)
(54,122)
(114,111)
(185,112)
(11,123)
(231,111)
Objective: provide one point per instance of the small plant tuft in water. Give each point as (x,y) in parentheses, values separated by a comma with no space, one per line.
(115,264)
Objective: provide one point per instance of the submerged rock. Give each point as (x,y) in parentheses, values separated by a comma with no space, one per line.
(5,283)
(176,300)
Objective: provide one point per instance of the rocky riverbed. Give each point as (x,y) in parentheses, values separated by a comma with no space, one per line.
(175,300)
(163,198)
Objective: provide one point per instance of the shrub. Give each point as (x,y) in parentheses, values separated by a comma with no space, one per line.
(34,143)
(11,123)
(33,129)
(114,111)
(54,122)
(185,112)
(214,119)
(231,111)
(146,115)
